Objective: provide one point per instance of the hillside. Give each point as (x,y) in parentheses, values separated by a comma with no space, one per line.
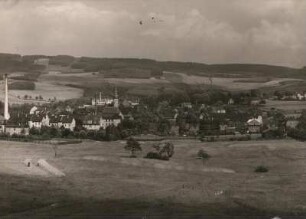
(146,68)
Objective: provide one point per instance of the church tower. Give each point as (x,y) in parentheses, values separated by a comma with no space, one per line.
(116,100)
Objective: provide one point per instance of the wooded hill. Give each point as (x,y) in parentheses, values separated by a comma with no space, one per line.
(124,67)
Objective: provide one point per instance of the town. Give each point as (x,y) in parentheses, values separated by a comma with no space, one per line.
(228,117)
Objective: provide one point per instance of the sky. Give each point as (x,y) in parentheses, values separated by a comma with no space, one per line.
(208,31)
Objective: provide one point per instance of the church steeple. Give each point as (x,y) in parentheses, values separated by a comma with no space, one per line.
(116,100)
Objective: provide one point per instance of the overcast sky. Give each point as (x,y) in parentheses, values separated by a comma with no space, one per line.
(209,31)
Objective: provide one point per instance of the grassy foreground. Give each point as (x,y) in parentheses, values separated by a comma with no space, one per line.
(101,181)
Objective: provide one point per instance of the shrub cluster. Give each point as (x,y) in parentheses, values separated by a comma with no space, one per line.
(155,155)
(163,151)
(261,169)
(203,154)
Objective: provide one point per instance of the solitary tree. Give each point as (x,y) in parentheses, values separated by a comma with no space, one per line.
(133,146)
(55,147)
(167,150)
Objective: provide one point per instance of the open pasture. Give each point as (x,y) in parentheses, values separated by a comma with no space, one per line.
(230,83)
(103,173)
(47,90)
(286,106)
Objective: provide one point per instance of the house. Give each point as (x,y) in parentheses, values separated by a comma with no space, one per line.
(54,121)
(255,102)
(227,128)
(68,122)
(255,125)
(110,116)
(69,109)
(130,102)
(186,105)
(62,121)
(300,96)
(33,110)
(292,123)
(231,101)
(39,120)
(16,130)
(91,122)
(293,115)
(218,110)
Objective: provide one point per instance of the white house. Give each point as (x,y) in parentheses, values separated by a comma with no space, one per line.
(68,122)
(16,130)
(255,124)
(39,120)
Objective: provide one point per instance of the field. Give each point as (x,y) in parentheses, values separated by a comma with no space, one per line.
(47,90)
(137,86)
(238,83)
(56,82)
(101,180)
(286,106)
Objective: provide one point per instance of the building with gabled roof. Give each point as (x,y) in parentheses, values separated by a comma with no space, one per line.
(110,116)
(39,120)
(91,122)
(62,121)
(255,125)
(68,122)
(13,129)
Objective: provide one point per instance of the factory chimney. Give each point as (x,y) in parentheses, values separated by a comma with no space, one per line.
(6,112)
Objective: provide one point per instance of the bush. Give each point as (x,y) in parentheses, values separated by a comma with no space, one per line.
(132,145)
(203,154)
(261,169)
(155,155)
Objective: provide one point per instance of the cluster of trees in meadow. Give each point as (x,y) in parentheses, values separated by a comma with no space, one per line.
(299,132)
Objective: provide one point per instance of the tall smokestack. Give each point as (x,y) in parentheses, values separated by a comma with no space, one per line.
(6,112)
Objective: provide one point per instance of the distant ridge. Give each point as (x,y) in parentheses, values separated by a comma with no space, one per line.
(16,62)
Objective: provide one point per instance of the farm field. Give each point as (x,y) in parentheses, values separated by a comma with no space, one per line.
(150,86)
(46,89)
(230,83)
(71,85)
(170,77)
(286,106)
(101,180)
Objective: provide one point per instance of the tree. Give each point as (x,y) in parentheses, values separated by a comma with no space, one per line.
(34,131)
(133,146)
(167,150)
(55,147)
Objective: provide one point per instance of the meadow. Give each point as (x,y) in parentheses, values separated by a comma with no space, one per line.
(102,180)
(286,106)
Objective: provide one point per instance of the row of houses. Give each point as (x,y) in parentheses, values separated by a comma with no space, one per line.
(38,118)
(301,96)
